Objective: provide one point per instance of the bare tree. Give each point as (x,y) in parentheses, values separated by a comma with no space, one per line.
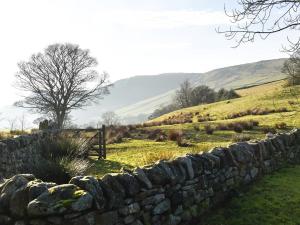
(60,79)
(23,121)
(291,67)
(183,95)
(261,18)
(110,118)
(12,123)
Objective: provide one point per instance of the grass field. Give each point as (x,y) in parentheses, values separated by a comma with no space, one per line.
(273,200)
(132,153)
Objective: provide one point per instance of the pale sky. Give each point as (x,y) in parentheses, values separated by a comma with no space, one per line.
(128,37)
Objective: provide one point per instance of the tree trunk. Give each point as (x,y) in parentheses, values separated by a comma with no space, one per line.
(60,117)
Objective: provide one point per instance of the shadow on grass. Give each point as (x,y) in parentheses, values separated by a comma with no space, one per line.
(103,166)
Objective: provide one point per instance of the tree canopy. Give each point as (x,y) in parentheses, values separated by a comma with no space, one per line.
(60,79)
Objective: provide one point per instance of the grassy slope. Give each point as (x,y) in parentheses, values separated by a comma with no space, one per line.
(228,77)
(273,200)
(271,95)
(132,153)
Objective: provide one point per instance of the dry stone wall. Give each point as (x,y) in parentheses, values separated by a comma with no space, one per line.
(167,193)
(19,155)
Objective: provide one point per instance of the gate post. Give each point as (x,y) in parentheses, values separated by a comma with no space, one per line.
(104,141)
(100,144)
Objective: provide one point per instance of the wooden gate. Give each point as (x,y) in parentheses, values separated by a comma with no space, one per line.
(100,136)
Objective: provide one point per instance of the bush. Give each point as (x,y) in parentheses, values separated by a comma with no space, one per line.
(154,134)
(196,128)
(255,111)
(63,157)
(175,135)
(238,128)
(209,129)
(223,126)
(281,125)
(269,130)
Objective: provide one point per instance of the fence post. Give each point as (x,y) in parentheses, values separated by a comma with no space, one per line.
(104,141)
(100,144)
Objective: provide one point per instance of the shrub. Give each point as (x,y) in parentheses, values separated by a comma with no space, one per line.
(175,135)
(281,125)
(256,111)
(208,129)
(292,102)
(269,130)
(255,123)
(238,128)
(223,126)
(196,128)
(154,134)
(241,137)
(63,157)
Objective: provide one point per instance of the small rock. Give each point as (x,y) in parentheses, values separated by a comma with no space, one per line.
(142,177)
(162,207)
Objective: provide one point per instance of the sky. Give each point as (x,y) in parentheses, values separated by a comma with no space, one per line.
(128,37)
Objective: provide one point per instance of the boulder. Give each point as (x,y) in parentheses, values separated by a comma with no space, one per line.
(130,184)
(142,177)
(20,199)
(61,199)
(113,191)
(10,187)
(157,175)
(187,164)
(91,185)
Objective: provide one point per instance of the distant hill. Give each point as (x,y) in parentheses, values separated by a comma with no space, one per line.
(230,77)
(129,91)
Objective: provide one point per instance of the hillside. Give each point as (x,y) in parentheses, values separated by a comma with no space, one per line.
(271,96)
(229,77)
(143,145)
(132,90)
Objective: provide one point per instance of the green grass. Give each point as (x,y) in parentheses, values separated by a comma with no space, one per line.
(273,200)
(134,153)
(272,96)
